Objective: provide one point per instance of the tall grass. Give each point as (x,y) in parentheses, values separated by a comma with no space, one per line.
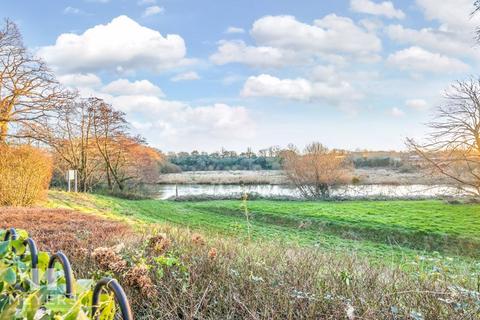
(25,174)
(221,278)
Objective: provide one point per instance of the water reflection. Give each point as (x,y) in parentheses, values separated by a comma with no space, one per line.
(169,191)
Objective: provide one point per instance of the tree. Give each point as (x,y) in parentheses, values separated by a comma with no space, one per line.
(317,170)
(71,140)
(28,89)
(110,132)
(476,11)
(453,146)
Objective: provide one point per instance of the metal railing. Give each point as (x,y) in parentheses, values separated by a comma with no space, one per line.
(111,285)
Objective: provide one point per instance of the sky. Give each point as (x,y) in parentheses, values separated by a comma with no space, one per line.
(202,75)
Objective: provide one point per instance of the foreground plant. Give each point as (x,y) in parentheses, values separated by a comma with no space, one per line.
(35,286)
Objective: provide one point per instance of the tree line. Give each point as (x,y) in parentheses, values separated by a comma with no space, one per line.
(85,134)
(265,159)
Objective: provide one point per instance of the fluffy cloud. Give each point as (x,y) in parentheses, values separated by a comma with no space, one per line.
(178,120)
(234,30)
(139,87)
(300,89)
(451,14)
(153,10)
(417,104)
(80,80)
(285,41)
(416,59)
(437,40)
(186,76)
(237,51)
(120,45)
(331,34)
(385,8)
(156,117)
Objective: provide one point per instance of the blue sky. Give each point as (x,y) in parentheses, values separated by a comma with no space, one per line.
(209,74)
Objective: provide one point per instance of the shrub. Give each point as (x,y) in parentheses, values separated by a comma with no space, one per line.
(169,167)
(25,174)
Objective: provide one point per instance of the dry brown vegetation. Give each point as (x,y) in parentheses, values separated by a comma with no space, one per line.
(74,233)
(315,171)
(25,174)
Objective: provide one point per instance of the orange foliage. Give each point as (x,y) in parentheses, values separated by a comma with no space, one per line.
(25,174)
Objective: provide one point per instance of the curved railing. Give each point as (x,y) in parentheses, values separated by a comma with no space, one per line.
(108,284)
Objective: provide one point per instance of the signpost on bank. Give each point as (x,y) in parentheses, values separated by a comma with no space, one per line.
(71,175)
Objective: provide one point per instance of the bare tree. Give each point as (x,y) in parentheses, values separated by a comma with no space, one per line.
(317,170)
(476,4)
(28,89)
(453,145)
(70,137)
(110,132)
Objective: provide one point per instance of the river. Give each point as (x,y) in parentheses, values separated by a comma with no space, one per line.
(169,191)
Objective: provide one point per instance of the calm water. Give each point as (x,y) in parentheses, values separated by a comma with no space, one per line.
(168,191)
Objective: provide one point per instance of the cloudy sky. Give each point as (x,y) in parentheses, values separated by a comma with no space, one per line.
(208,74)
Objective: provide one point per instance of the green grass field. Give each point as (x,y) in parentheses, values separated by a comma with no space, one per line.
(417,257)
(377,228)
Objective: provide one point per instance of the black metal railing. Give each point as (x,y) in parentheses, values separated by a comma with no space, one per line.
(108,284)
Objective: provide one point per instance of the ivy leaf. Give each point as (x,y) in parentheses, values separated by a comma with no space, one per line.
(9,276)
(9,312)
(43,258)
(4,246)
(31,305)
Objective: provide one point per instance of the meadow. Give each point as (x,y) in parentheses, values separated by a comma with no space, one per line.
(270,259)
(378,227)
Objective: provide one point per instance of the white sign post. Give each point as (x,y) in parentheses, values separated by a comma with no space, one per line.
(72,176)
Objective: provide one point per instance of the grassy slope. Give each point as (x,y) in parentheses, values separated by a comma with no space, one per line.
(390,228)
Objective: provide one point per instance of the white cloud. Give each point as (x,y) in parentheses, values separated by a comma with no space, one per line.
(153,10)
(139,87)
(437,40)
(72,10)
(152,115)
(451,14)
(80,80)
(385,8)
(300,89)
(416,59)
(269,86)
(121,45)
(191,75)
(284,41)
(178,120)
(234,30)
(237,51)
(417,104)
(397,112)
(331,34)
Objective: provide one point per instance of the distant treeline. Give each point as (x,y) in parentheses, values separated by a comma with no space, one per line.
(220,161)
(267,159)
(376,162)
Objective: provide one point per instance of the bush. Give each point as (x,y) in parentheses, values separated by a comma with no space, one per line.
(169,167)
(25,174)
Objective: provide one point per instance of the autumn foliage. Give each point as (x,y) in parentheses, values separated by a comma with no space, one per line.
(25,174)
(317,170)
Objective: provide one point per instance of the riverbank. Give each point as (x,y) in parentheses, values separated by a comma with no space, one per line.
(378,176)
(366,226)
(299,260)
